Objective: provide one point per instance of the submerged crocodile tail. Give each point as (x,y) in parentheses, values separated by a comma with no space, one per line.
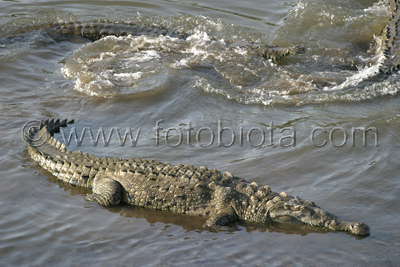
(391,33)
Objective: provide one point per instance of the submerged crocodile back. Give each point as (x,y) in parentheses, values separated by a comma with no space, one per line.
(95,30)
(391,33)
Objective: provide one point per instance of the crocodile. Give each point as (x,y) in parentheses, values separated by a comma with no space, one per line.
(97,29)
(391,46)
(184,189)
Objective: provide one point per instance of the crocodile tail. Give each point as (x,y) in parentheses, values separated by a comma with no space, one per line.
(72,167)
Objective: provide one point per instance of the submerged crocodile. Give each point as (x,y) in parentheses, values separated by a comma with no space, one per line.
(391,45)
(95,30)
(223,198)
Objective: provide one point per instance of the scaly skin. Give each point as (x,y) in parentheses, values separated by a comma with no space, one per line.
(181,188)
(391,33)
(95,30)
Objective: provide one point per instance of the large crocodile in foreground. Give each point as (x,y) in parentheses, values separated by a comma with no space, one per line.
(184,189)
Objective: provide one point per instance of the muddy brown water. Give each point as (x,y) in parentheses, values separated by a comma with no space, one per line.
(136,81)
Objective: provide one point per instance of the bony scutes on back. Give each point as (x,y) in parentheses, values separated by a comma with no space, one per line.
(186,189)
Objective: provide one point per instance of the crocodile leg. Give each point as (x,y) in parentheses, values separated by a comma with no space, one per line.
(221,218)
(106,191)
(224,212)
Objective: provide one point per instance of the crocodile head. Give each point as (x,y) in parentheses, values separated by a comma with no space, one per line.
(275,52)
(297,49)
(295,210)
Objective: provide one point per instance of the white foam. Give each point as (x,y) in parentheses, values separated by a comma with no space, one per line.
(128,65)
(357,78)
(136,75)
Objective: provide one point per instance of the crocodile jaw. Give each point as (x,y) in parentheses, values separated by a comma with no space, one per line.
(296,210)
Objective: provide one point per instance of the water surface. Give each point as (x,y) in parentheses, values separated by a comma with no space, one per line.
(135,81)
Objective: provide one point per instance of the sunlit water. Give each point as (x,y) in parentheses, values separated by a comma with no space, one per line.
(136,81)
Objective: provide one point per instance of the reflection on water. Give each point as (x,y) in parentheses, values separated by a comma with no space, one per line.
(334,84)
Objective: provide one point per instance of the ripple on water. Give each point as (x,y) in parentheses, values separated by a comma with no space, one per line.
(138,66)
(47,223)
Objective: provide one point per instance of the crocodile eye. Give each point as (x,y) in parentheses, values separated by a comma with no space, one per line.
(294,207)
(310,203)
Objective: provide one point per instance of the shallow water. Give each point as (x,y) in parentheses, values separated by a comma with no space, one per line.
(135,81)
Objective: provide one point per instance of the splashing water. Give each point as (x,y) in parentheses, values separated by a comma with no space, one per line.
(330,70)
